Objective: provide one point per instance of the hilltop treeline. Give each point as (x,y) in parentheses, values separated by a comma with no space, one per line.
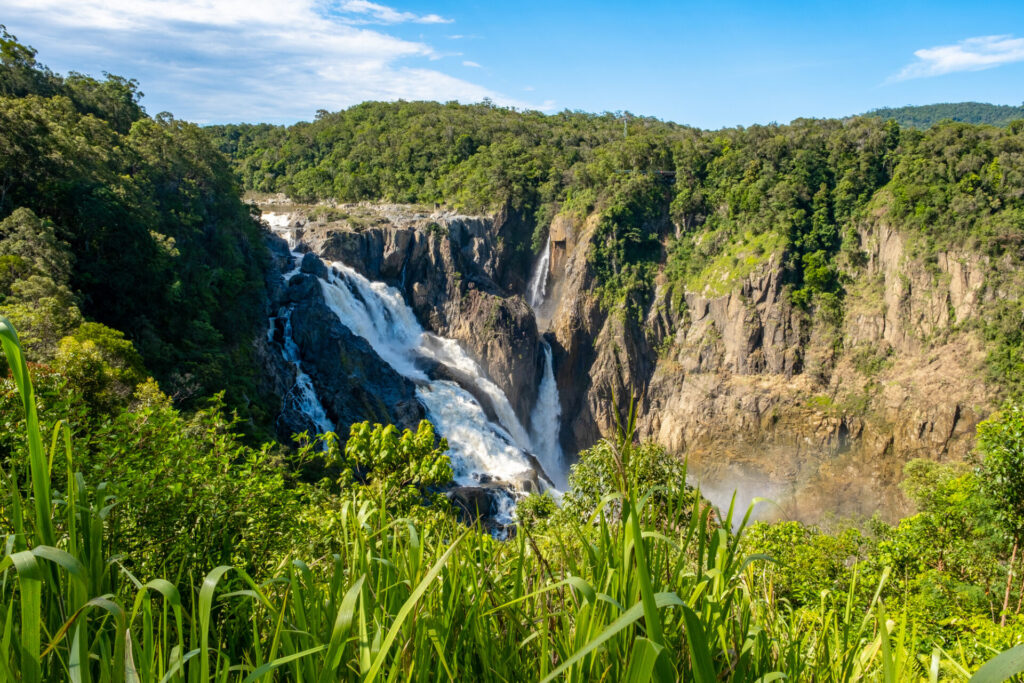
(927,115)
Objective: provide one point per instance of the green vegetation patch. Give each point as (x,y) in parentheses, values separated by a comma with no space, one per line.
(736,262)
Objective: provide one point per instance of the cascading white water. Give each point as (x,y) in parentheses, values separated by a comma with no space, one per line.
(538,287)
(547,412)
(378,313)
(545,424)
(302,396)
(279,223)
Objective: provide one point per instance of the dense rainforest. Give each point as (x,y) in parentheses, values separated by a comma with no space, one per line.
(129,222)
(148,536)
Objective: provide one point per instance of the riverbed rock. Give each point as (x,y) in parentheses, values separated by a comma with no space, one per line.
(448,267)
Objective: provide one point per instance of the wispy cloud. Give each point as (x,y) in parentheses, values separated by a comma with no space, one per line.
(383,14)
(471,64)
(234,60)
(972,54)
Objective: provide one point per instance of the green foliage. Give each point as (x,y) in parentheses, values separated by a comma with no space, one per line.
(436,230)
(729,268)
(599,473)
(1004,331)
(928,115)
(806,562)
(34,243)
(163,247)
(536,508)
(737,197)
(401,466)
(635,578)
(949,552)
(46,313)
(626,249)
(397,597)
(1001,447)
(101,364)
(955,184)
(645,588)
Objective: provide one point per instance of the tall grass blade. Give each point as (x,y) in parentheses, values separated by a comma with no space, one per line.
(38,464)
(626,619)
(205,608)
(700,651)
(270,666)
(408,606)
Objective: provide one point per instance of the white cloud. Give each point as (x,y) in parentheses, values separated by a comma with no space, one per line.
(388,15)
(972,54)
(234,60)
(471,64)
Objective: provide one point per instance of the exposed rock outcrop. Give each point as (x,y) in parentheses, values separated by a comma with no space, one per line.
(758,395)
(352,382)
(448,267)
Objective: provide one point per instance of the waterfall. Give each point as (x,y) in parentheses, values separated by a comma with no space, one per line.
(546,423)
(378,313)
(538,287)
(477,446)
(279,223)
(547,412)
(302,396)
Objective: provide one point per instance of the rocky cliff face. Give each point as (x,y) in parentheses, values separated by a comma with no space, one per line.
(765,399)
(818,414)
(448,267)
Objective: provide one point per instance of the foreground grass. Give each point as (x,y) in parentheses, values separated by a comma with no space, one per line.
(632,594)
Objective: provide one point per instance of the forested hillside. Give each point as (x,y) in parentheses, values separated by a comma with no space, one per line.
(111,222)
(927,115)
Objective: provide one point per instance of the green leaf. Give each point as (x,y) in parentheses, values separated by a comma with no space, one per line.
(649,662)
(408,606)
(700,651)
(1001,667)
(628,617)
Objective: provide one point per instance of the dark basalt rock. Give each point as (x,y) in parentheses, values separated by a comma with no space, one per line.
(449,276)
(473,502)
(302,287)
(352,382)
(312,265)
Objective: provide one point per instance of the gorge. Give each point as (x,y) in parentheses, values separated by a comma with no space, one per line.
(489,445)
(727,375)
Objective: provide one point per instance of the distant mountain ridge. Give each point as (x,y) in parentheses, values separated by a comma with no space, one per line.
(926,116)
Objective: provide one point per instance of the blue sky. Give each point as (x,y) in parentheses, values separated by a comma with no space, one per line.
(704,64)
